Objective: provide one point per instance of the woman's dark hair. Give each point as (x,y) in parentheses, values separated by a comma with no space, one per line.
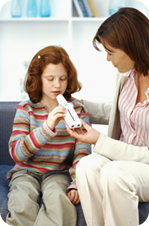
(47,55)
(128,30)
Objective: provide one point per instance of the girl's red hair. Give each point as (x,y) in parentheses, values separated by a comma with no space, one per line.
(47,55)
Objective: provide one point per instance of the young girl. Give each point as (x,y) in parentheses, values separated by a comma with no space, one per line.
(45,154)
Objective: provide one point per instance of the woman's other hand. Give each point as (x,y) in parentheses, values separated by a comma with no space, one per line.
(89,135)
(75,99)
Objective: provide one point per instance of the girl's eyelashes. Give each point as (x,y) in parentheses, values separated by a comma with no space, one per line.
(61,79)
(50,79)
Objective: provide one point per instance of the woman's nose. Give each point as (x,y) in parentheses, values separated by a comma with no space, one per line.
(108,57)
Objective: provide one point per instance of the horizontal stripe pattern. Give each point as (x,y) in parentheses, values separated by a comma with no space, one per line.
(35,147)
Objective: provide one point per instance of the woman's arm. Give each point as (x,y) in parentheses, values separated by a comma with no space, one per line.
(110,148)
(99,113)
(118,150)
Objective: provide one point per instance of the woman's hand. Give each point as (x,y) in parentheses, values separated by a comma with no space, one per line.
(75,99)
(55,116)
(73,195)
(89,136)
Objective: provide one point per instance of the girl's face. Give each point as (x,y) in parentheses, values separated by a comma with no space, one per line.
(119,59)
(54,81)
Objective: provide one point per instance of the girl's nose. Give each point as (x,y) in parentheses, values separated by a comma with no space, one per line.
(57,83)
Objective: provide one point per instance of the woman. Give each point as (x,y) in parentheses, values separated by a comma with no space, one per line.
(113,181)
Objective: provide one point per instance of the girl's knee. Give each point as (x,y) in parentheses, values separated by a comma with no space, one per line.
(55,197)
(23,196)
(20,204)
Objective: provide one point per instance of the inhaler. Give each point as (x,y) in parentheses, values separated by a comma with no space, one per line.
(71,116)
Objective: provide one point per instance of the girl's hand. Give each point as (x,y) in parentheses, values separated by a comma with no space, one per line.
(55,116)
(73,195)
(89,136)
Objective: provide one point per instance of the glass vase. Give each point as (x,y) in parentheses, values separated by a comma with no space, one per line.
(44,8)
(115,5)
(16,9)
(31,8)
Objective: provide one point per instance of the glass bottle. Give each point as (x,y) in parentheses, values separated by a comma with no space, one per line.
(44,8)
(16,9)
(31,8)
(115,5)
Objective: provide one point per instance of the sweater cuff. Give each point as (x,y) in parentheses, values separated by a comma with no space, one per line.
(50,132)
(72,186)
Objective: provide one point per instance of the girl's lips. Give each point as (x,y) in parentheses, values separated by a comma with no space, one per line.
(56,92)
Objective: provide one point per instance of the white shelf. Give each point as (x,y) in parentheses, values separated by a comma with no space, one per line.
(90,19)
(51,19)
(37,19)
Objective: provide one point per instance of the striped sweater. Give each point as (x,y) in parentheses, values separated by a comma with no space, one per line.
(35,147)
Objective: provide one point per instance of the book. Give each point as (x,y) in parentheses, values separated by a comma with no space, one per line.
(93,8)
(78,8)
(88,8)
(83,8)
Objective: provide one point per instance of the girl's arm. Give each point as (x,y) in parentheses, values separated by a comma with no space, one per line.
(27,138)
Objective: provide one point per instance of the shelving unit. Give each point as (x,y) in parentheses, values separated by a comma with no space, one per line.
(21,38)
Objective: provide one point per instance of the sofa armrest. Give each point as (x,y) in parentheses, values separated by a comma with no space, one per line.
(7,113)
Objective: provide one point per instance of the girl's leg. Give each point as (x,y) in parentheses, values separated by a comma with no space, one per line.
(22,199)
(123,185)
(89,187)
(57,210)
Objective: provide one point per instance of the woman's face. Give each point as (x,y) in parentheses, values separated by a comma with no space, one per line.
(119,59)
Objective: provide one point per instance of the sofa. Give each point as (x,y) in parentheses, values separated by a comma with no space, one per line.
(7,113)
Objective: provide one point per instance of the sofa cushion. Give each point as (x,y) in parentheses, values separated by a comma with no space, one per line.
(4,182)
(7,113)
(143,211)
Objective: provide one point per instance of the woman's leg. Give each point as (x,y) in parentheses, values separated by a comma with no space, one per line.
(88,183)
(123,185)
(22,199)
(57,210)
